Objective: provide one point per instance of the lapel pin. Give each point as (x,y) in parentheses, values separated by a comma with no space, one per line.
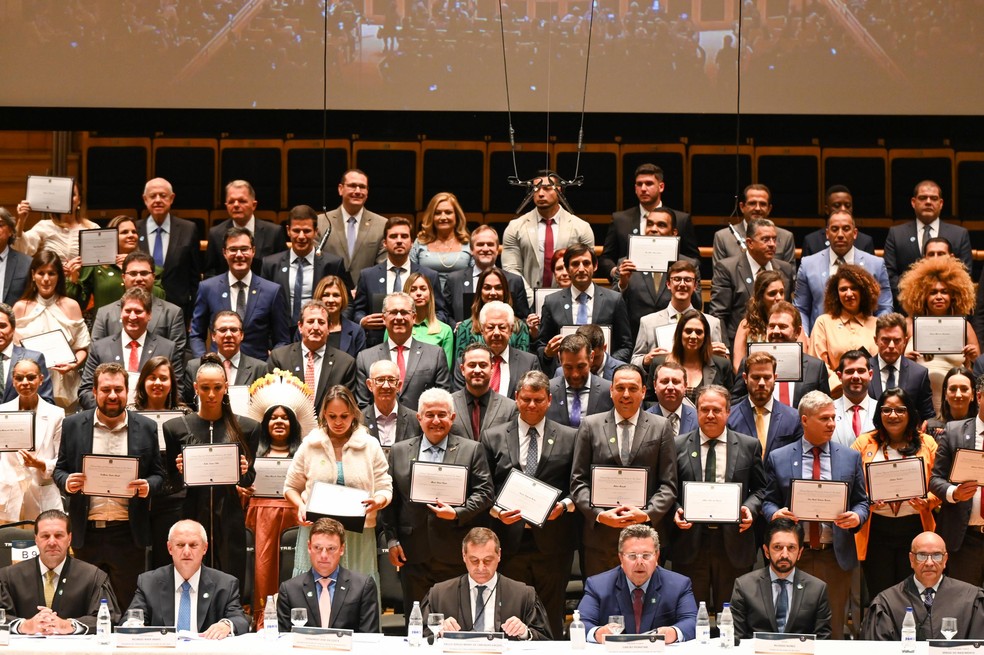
(254,292)
(342,588)
(567,306)
(652,601)
(382,280)
(141,238)
(111,274)
(635,230)
(117,358)
(748,280)
(283,270)
(225,295)
(467,283)
(694,455)
(912,239)
(61,592)
(550,441)
(310,594)
(612,440)
(205,595)
(796,463)
(799,586)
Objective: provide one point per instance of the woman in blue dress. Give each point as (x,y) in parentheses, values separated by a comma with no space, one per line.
(442,243)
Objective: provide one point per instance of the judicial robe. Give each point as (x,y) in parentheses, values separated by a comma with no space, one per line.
(883,620)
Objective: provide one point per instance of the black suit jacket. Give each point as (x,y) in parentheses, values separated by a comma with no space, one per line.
(731,287)
(607,308)
(18,353)
(141,443)
(427,366)
(112,349)
(459,283)
(15,276)
(166,320)
(513,598)
(641,297)
(276,268)
(953,518)
(370,285)
(814,379)
(816,241)
(599,399)
(626,223)
(519,362)
(902,249)
(911,376)
(753,610)
(249,370)
(218,598)
(268,238)
(336,368)
(407,425)
(498,408)
(353,606)
(182,261)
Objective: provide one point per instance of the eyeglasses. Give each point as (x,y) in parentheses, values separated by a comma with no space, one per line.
(645,557)
(353,186)
(898,411)
(386,382)
(30,377)
(401,313)
(228,330)
(922,558)
(682,279)
(239,249)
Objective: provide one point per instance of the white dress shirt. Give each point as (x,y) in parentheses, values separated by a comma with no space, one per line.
(490,594)
(194,580)
(234,290)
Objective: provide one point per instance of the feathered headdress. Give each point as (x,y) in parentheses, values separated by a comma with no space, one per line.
(283,388)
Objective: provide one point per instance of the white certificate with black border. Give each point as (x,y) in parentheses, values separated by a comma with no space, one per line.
(566,330)
(534,498)
(344,504)
(711,502)
(968,466)
(939,334)
(160,418)
(665,335)
(270,475)
(431,482)
(613,486)
(896,479)
(50,194)
(653,253)
(818,500)
(53,344)
(16,431)
(109,475)
(211,464)
(540,295)
(789,358)
(99,246)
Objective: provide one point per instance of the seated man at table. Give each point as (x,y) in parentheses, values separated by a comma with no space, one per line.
(59,593)
(186,594)
(482,600)
(335,597)
(650,598)
(930,594)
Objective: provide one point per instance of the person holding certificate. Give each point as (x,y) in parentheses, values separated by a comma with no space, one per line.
(883,541)
(693,349)
(769,288)
(105,284)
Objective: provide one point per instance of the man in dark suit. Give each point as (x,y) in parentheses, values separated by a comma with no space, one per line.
(760,414)
(582,303)
(386,419)
(732,240)
(890,369)
(423,538)
(650,598)
(649,187)
(764,600)
(830,551)
(377,281)
(670,383)
(482,599)
(311,359)
(508,364)
(722,455)
(539,555)
(477,407)
(460,286)
(132,347)
(13,354)
(904,243)
(839,198)
(261,303)
(268,238)
(214,594)
(110,533)
(54,594)
(227,336)
(354,233)
(335,597)
(577,393)
(421,365)
(166,319)
(173,244)
(602,363)
(16,265)
(623,437)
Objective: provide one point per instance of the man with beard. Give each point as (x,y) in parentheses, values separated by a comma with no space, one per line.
(855,409)
(477,407)
(497,320)
(759,414)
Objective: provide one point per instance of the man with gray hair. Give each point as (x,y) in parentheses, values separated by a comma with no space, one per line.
(731,241)
(829,550)
(268,237)
(386,418)
(15,267)
(422,537)
(497,322)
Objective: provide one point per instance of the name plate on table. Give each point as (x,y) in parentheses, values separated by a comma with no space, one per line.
(321,638)
(789,359)
(16,431)
(644,643)
(473,642)
(149,636)
(614,486)
(22,550)
(780,643)
(818,500)
(955,647)
(213,464)
(652,253)
(431,482)
(968,466)
(109,475)
(896,479)
(939,334)
(98,247)
(160,418)
(566,330)
(344,504)
(535,499)
(270,475)
(711,502)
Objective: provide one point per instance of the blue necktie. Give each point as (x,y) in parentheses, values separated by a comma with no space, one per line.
(159,248)
(298,290)
(351,235)
(532,453)
(479,623)
(576,409)
(782,605)
(582,309)
(184,609)
(397,281)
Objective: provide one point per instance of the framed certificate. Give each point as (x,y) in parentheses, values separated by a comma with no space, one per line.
(50,194)
(711,502)
(109,475)
(16,431)
(654,254)
(664,336)
(211,464)
(431,482)
(534,499)
(97,247)
(968,466)
(818,500)
(613,486)
(606,330)
(344,504)
(789,358)
(539,296)
(939,334)
(239,398)
(53,344)
(270,475)
(896,479)
(160,418)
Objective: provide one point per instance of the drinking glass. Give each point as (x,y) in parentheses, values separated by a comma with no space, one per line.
(298,616)
(434,622)
(616,623)
(949,627)
(134,618)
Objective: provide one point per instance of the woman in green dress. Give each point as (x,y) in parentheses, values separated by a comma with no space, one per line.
(104,284)
(428,329)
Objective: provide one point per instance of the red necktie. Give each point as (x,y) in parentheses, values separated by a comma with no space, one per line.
(856,422)
(637,608)
(476,419)
(784,393)
(134,364)
(309,371)
(401,363)
(548,253)
(814,525)
(496,373)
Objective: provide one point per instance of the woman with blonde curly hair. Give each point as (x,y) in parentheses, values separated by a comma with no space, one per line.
(442,243)
(769,288)
(939,286)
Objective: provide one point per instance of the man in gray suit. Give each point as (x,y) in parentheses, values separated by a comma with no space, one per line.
(732,240)
(577,393)
(477,407)
(355,233)
(386,419)
(497,320)
(227,335)
(623,437)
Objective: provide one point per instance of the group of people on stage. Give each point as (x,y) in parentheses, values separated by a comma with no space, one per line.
(360,351)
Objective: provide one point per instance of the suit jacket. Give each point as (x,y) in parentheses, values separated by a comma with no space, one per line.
(15,276)
(669,601)
(427,366)
(268,238)
(19,353)
(249,370)
(844,432)
(688,417)
(811,284)
(218,598)
(731,287)
(814,378)
(182,261)
(276,268)
(141,443)
(902,248)
(754,611)
(407,425)
(498,409)
(521,250)
(599,399)
(646,332)
(911,376)
(717,371)
(556,445)
(459,283)
(267,322)
(784,464)
(626,223)
(607,308)
(368,242)
(642,299)
(952,519)
(425,537)
(372,282)
(113,349)
(726,245)
(744,465)
(80,588)
(817,241)
(354,605)
(519,362)
(452,598)
(166,320)
(336,368)
(785,426)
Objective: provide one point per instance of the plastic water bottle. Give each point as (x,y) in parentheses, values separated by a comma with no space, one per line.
(578,640)
(104,626)
(415,634)
(270,628)
(703,625)
(909,632)
(726,625)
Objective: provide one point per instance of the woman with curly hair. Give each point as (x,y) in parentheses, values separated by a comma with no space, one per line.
(958,401)
(939,286)
(492,285)
(769,288)
(442,243)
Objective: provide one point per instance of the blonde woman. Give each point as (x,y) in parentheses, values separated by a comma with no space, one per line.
(442,243)
(428,329)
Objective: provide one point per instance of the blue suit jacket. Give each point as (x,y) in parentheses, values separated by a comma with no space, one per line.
(372,281)
(669,601)
(688,417)
(19,353)
(785,464)
(785,426)
(811,284)
(265,326)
